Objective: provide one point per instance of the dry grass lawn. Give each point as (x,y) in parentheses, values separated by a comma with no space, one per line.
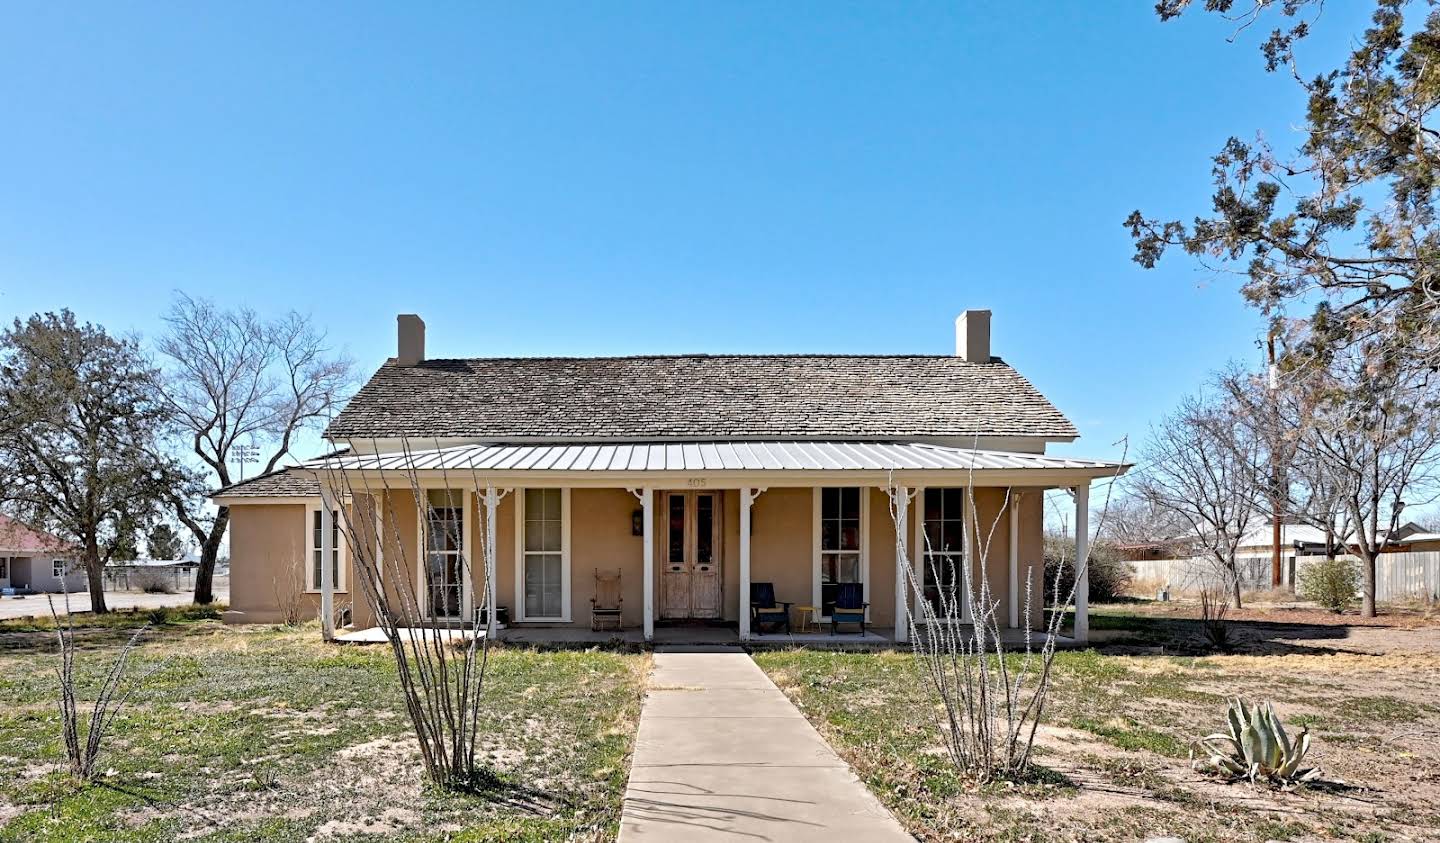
(1114,750)
(268,734)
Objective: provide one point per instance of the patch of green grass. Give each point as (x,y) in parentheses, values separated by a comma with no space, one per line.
(1130,735)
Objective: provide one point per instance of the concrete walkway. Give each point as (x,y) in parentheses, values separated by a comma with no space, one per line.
(722,754)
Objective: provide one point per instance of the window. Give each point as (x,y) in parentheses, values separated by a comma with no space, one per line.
(59,568)
(544,577)
(445,550)
(944,513)
(840,543)
(314,574)
(4,567)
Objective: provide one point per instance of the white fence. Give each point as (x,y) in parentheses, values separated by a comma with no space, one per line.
(1398,576)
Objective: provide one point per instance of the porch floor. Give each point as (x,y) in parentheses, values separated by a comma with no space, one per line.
(376,635)
(874,637)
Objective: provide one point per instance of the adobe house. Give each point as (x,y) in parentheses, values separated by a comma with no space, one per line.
(694,476)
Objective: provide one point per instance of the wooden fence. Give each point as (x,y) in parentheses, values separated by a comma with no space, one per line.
(1398,576)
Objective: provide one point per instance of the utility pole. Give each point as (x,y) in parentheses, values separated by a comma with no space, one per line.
(1277,468)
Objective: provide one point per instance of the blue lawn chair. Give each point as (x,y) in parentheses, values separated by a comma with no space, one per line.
(765,609)
(849,606)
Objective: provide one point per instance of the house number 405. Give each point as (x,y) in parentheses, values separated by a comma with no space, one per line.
(696,482)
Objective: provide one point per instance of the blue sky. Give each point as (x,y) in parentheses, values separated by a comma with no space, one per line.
(605,178)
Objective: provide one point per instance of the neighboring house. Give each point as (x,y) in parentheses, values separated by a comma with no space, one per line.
(693,475)
(1412,538)
(33,560)
(1161,549)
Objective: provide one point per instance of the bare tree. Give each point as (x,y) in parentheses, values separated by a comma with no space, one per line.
(79,430)
(1374,440)
(1320,497)
(233,378)
(1135,520)
(1204,466)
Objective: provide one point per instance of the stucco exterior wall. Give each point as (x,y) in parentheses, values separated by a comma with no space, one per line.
(37,573)
(268,550)
(267,558)
(781,543)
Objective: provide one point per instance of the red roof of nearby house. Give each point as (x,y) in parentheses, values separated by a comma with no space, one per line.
(16,538)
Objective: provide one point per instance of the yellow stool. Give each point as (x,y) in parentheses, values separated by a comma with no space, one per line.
(806,617)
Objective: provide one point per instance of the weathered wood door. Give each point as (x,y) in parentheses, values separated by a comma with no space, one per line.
(691,579)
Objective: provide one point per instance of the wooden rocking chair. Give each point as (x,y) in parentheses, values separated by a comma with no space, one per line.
(605,605)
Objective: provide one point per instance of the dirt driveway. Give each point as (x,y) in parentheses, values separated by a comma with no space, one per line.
(36,605)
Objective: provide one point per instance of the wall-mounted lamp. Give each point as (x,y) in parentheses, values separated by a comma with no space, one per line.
(637,522)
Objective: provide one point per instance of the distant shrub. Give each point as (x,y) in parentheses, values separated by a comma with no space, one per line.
(1331,582)
(1109,574)
(157,616)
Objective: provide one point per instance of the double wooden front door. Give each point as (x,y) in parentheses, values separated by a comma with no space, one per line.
(691,577)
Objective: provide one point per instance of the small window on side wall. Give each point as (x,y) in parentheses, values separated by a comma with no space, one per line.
(60,568)
(316,536)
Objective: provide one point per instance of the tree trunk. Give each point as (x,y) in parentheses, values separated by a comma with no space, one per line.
(1235,596)
(1367,600)
(94,578)
(209,551)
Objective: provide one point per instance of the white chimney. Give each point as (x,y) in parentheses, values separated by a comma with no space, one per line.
(412,340)
(972,336)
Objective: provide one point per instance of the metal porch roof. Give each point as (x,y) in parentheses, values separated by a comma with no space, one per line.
(707,456)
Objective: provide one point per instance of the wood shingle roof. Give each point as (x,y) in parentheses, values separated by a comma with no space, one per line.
(700,397)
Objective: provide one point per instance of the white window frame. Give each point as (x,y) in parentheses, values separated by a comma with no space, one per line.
(467,544)
(967,574)
(341,585)
(520,553)
(817,551)
(59,568)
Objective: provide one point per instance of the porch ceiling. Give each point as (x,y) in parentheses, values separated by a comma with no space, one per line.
(707,457)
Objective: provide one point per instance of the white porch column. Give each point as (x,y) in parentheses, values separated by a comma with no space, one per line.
(900,499)
(746,499)
(327,570)
(1082,562)
(492,507)
(917,554)
(1014,504)
(647,503)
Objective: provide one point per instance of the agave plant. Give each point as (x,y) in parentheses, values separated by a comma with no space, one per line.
(1256,747)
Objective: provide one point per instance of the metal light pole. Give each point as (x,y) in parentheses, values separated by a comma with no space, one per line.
(243,454)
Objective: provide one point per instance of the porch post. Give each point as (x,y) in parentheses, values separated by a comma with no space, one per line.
(900,499)
(327,571)
(647,502)
(492,506)
(745,501)
(1082,562)
(1014,559)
